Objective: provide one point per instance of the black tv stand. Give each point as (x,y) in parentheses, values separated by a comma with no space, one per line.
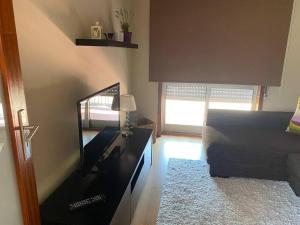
(121,186)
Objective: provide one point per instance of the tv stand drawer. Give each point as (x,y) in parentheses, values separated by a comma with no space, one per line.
(122,215)
(125,212)
(140,177)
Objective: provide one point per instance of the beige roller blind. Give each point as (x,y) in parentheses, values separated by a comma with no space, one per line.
(238,95)
(186,91)
(219,41)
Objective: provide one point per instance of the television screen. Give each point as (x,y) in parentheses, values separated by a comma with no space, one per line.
(99,124)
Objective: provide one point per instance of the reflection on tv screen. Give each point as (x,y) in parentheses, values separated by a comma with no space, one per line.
(99,112)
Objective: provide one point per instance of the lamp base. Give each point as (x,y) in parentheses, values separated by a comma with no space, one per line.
(126,132)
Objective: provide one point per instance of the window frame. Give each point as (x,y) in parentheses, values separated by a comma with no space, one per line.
(197,130)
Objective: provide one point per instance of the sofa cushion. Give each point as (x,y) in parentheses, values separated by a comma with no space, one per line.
(249,119)
(253,146)
(294,126)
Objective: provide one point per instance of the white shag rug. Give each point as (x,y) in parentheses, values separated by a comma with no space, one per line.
(191,197)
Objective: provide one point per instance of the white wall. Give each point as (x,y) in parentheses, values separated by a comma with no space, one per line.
(285,98)
(145,92)
(57,73)
(10,211)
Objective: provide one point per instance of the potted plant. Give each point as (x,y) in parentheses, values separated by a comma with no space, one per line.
(125,17)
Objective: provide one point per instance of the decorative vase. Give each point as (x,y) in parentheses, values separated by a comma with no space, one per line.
(127,37)
(120,36)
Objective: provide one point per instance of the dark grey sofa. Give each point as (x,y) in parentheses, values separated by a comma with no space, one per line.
(249,144)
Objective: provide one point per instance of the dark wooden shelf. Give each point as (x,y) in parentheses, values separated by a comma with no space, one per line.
(105,43)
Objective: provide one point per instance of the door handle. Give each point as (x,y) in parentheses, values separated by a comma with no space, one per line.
(27,133)
(33,130)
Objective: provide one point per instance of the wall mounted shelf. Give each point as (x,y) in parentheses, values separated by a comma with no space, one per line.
(105,43)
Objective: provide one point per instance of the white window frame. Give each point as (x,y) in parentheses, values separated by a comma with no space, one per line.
(197,130)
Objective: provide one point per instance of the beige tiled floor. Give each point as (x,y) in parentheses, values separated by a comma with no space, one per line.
(166,147)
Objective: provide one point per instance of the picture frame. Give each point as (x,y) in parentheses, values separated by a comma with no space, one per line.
(96,31)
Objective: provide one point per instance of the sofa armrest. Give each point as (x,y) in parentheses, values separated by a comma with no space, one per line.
(248,119)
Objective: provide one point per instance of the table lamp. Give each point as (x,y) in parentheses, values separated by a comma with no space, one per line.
(127,104)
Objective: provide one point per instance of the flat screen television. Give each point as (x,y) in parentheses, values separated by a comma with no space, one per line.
(99,124)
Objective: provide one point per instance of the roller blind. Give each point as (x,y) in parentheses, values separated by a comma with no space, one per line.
(219,41)
(185,91)
(238,95)
(211,93)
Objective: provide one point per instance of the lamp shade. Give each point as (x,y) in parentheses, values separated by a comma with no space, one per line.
(127,103)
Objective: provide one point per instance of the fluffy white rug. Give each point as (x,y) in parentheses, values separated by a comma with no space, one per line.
(190,196)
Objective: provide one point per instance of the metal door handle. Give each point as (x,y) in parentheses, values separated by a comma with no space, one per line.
(33,130)
(27,133)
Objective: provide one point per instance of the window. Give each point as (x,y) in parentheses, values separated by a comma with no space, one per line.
(185,104)
(185,112)
(231,98)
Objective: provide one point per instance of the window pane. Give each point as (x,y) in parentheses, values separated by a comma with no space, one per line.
(231,98)
(230,106)
(238,95)
(185,112)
